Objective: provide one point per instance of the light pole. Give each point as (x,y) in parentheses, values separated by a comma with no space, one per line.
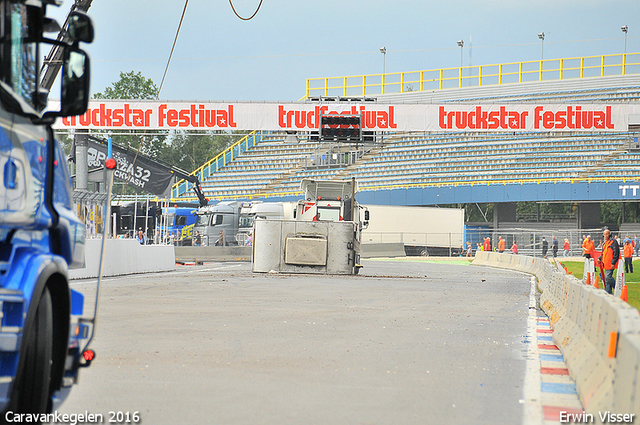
(541,37)
(383,50)
(625,29)
(461,44)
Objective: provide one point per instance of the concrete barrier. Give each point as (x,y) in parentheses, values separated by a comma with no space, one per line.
(124,256)
(199,254)
(598,334)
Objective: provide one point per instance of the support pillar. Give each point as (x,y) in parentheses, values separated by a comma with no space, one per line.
(503,212)
(589,215)
(82,163)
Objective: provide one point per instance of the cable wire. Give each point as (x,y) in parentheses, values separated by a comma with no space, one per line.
(249,18)
(172,48)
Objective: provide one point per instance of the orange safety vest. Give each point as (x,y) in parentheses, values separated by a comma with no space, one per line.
(501,245)
(588,246)
(628,251)
(607,255)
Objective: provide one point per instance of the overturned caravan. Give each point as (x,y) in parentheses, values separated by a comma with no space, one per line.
(323,238)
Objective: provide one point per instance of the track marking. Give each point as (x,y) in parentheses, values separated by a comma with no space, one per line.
(533,413)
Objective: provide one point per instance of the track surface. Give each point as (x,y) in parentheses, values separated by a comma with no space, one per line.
(402,343)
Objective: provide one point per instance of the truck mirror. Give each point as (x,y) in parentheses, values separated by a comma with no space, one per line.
(75,83)
(80,27)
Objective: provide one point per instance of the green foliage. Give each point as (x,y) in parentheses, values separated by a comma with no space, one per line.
(190,151)
(130,86)
(528,211)
(477,212)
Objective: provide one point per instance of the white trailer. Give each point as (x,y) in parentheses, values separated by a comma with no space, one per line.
(422,230)
(252,210)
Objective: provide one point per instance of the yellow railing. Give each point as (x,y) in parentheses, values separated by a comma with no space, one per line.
(216,163)
(432,184)
(475,76)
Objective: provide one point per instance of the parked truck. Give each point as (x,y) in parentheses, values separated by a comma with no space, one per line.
(218,224)
(324,237)
(423,230)
(42,336)
(177,223)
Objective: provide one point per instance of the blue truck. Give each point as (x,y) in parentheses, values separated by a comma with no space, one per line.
(178,222)
(43,338)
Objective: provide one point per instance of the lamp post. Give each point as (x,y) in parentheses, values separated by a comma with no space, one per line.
(541,37)
(625,29)
(461,44)
(383,50)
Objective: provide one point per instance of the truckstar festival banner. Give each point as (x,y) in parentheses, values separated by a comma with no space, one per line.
(304,116)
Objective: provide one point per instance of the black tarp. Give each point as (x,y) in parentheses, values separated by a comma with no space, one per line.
(135,169)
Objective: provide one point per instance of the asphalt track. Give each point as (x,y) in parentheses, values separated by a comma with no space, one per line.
(404,342)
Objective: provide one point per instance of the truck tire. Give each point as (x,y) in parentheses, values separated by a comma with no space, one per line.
(424,252)
(34,383)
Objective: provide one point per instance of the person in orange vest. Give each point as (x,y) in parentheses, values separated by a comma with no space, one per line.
(487,245)
(628,257)
(610,256)
(588,246)
(501,244)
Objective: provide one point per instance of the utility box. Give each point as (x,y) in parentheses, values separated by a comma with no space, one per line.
(292,246)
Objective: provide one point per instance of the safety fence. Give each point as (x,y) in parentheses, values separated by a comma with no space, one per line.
(597,333)
(474,76)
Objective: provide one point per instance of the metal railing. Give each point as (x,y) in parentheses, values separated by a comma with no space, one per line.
(222,159)
(475,76)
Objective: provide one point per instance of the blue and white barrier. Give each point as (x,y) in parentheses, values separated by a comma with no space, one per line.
(598,334)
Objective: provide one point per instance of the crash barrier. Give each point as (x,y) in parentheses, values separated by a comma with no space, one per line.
(380,250)
(598,334)
(201,254)
(124,256)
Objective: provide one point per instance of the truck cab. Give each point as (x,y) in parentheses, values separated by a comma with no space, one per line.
(179,222)
(331,200)
(218,224)
(41,334)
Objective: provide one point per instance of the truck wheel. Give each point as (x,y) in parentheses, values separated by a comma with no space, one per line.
(33,384)
(424,252)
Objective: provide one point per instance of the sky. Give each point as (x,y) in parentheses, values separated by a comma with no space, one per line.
(219,57)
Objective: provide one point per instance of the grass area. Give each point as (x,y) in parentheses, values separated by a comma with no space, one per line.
(632,279)
(433,260)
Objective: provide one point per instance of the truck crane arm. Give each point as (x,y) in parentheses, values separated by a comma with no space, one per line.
(196,184)
(53,61)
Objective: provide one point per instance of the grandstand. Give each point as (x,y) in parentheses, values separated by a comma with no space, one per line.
(276,162)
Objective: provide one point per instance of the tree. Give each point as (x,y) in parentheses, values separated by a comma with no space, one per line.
(130,86)
(135,86)
(190,151)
